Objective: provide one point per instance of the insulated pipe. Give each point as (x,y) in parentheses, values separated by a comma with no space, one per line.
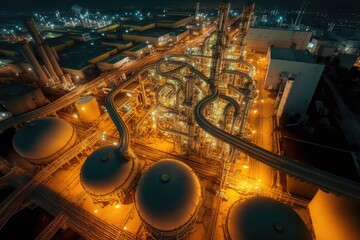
(124,135)
(182,65)
(171,131)
(327,181)
(144,117)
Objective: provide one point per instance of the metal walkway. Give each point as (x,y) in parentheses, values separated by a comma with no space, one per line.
(53,227)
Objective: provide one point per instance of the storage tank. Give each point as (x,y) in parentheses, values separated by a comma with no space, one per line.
(45,139)
(168,198)
(88,109)
(107,175)
(264,218)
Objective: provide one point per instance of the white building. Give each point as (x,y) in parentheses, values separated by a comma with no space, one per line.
(260,39)
(294,75)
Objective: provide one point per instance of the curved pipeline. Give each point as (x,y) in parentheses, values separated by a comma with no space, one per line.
(115,116)
(233,102)
(328,181)
(248,78)
(182,65)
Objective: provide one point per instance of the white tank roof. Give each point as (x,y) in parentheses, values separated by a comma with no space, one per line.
(264,218)
(43,138)
(85,99)
(167,195)
(107,170)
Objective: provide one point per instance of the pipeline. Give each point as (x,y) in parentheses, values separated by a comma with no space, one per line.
(327,181)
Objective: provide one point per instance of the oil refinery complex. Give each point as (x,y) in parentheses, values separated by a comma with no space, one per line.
(167,128)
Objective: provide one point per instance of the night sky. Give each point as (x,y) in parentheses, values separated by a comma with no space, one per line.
(335,5)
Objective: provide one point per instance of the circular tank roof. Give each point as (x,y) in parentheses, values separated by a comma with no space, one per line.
(43,138)
(106,170)
(85,99)
(167,195)
(263,218)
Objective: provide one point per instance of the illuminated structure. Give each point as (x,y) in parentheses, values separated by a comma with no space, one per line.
(194,106)
(88,109)
(245,19)
(263,218)
(58,135)
(107,175)
(168,198)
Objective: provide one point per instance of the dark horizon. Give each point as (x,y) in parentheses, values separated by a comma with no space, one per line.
(330,5)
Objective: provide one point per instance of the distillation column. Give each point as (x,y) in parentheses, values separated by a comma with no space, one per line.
(245,19)
(197,6)
(220,42)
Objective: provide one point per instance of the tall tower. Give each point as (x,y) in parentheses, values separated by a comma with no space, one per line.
(46,54)
(221,28)
(197,6)
(245,19)
(301,14)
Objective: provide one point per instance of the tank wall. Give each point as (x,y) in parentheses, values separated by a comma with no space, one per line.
(89,111)
(334,217)
(25,103)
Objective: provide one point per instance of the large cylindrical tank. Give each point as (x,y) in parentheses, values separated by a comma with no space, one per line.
(88,109)
(167,198)
(264,218)
(107,175)
(45,139)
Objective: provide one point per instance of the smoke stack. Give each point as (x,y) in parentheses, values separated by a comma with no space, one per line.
(197,6)
(30,57)
(45,51)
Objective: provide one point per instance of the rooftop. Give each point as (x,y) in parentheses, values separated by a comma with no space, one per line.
(114,59)
(138,47)
(78,57)
(141,23)
(153,32)
(291,55)
(171,19)
(115,41)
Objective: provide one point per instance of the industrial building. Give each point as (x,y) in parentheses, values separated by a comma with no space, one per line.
(78,60)
(19,98)
(112,63)
(157,37)
(138,50)
(324,46)
(173,21)
(294,75)
(260,39)
(120,45)
(173,146)
(138,25)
